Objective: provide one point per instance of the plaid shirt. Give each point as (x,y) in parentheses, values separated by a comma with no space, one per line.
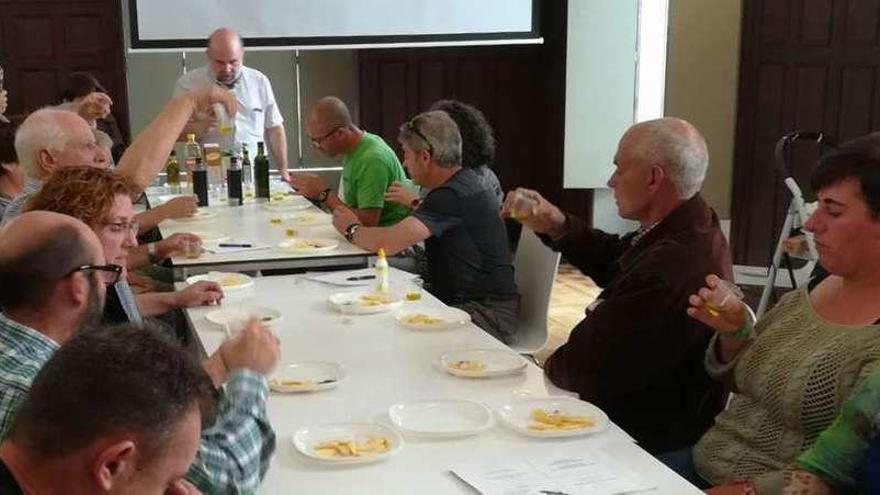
(235,451)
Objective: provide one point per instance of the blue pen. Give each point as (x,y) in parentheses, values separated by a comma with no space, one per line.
(235,245)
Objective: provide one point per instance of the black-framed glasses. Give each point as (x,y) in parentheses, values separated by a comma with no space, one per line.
(109,274)
(411,126)
(120,227)
(318,141)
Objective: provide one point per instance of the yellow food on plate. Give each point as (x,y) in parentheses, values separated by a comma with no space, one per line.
(230,280)
(421,319)
(558,420)
(284,382)
(275,220)
(352,448)
(309,244)
(468,365)
(375,299)
(290,232)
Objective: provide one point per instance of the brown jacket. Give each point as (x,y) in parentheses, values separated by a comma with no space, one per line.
(637,355)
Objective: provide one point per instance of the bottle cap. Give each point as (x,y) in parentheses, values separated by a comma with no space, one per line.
(381,252)
(190,137)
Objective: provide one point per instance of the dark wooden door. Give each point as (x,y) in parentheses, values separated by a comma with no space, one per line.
(806,64)
(520,89)
(41,41)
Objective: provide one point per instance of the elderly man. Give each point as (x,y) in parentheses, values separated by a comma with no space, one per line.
(369,166)
(116,410)
(259,118)
(465,240)
(636,354)
(52,282)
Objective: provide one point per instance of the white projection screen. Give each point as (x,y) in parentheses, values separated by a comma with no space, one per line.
(176,24)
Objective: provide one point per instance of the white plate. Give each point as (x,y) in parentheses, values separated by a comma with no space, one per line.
(498,362)
(306,438)
(235,317)
(287,204)
(441,418)
(352,303)
(317,375)
(209,236)
(228,281)
(449,318)
(308,218)
(300,245)
(198,217)
(517,415)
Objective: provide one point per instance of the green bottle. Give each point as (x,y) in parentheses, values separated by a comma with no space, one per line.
(261,173)
(172,173)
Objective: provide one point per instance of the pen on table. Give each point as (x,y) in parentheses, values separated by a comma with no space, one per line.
(235,245)
(361,277)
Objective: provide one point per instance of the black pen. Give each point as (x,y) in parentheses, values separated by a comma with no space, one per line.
(235,245)
(361,277)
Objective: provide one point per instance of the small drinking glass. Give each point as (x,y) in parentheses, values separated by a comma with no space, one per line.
(523,206)
(724,292)
(414,289)
(192,248)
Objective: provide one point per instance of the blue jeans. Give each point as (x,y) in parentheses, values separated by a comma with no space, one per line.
(682,462)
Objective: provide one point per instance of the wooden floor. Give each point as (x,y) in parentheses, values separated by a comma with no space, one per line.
(572,293)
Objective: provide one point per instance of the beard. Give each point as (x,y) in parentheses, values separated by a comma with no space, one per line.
(94,311)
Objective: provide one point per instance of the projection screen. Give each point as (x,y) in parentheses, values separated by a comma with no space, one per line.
(310,24)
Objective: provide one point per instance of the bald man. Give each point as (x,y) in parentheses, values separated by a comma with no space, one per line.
(369,166)
(258,119)
(637,354)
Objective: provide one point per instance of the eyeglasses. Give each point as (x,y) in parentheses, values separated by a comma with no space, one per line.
(122,227)
(411,126)
(318,141)
(109,274)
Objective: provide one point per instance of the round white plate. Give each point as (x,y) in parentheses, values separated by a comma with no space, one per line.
(287,204)
(498,362)
(449,318)
(198,217)
(442,418)
(308,219)
(228,281)
(305,440)
(235,317)
(355,303)
(518,415)
(209,236)
(300,245)
(313,375)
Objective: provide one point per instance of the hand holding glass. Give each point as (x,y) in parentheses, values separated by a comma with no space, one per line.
(721,296)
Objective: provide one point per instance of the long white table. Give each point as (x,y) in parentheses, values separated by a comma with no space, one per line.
(250,222)
(387,364)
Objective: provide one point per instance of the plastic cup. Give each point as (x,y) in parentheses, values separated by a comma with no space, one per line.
(192,248)
(523,206)
(723,294)
(414,289)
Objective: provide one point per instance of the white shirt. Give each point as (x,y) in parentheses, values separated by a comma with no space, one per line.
(257,111)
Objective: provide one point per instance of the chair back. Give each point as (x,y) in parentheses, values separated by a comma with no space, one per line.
(535,267)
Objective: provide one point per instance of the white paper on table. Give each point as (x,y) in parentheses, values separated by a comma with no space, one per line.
(341,278)
(576,472)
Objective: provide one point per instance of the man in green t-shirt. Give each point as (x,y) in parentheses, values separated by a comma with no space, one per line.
(369,166)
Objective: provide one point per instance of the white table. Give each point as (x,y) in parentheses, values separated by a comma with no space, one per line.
(387,364)
(250,222)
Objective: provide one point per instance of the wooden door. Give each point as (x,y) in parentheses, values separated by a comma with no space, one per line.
(806,64)
(41,41)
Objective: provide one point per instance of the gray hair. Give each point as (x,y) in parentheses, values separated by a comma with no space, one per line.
(436,132)
(41,130)
(678,147)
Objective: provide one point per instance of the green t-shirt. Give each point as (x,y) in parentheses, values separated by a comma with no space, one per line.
(366,174)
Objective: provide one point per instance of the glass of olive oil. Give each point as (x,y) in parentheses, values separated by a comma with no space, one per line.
(724,294)
(414,289)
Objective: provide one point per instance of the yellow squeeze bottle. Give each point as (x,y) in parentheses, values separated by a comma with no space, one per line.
(381,273)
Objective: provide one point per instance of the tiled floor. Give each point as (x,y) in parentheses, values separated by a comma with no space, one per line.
(572,293)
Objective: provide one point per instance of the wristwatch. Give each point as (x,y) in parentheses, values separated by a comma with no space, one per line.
(322,196)
(350,230)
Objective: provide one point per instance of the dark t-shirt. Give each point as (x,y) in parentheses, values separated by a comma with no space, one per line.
(8,485)
(468,255)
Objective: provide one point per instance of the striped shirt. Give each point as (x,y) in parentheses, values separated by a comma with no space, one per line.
(235,451)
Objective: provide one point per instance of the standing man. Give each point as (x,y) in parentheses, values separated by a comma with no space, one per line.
(369,166)
(637,354)
(258,118)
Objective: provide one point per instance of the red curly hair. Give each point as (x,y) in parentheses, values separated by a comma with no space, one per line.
(85,193)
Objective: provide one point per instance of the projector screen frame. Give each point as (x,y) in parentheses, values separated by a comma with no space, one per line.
(341,42)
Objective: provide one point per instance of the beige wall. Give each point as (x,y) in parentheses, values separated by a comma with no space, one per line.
(702,75)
